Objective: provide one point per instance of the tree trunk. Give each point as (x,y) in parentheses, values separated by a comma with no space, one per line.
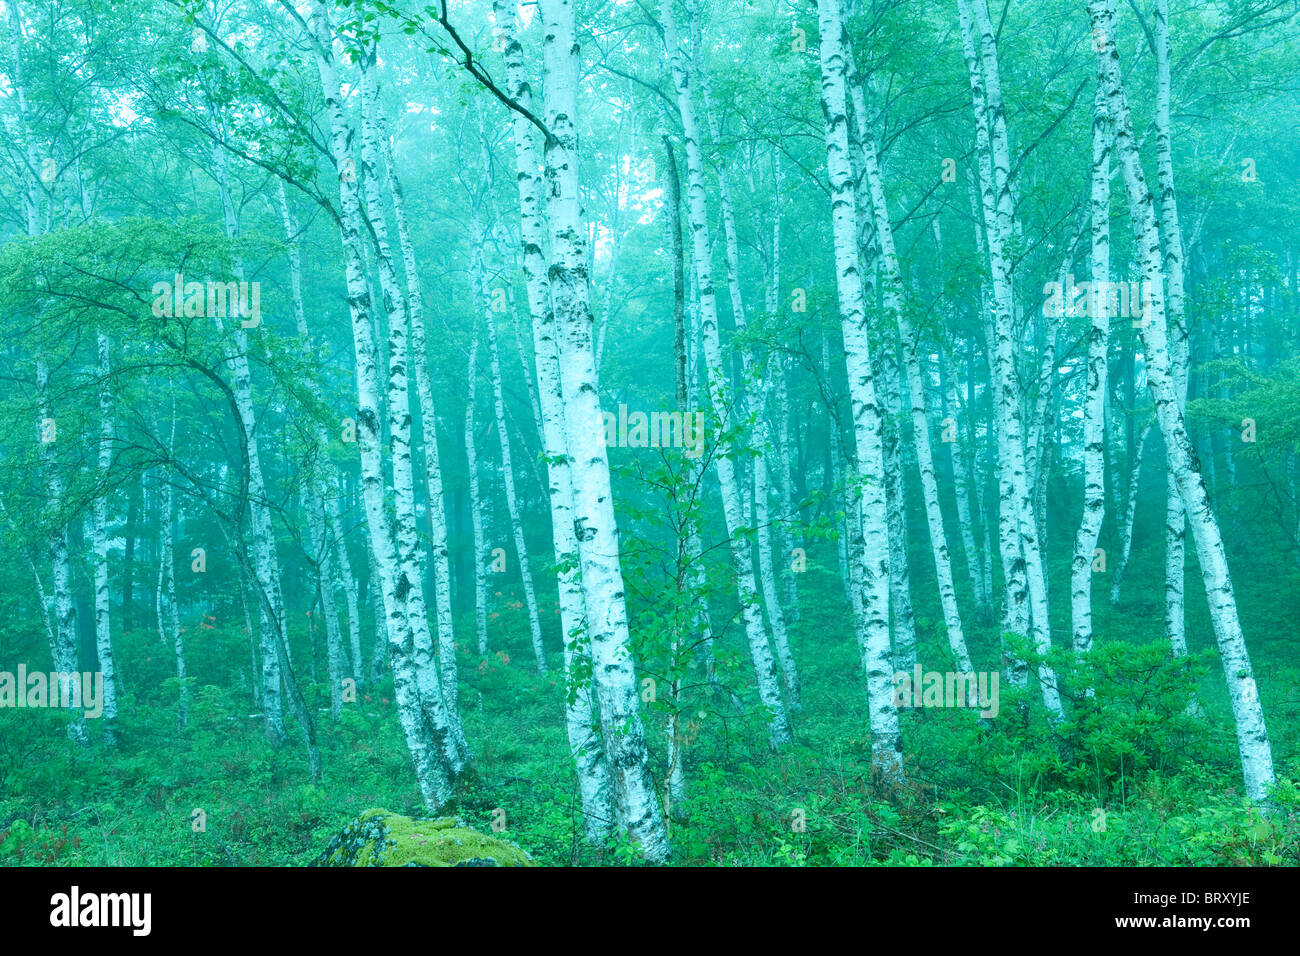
(1094,407)
(437,499)
(637,806)
(433,772)
(769,688)
(1026,595)
(444,720)
(580,718)
(266,561)
(871,561)
(1252,734)
(103,630)
(893,300)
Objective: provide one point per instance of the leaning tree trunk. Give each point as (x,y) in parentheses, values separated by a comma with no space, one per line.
(1252,734)
(433,770)
(769,687)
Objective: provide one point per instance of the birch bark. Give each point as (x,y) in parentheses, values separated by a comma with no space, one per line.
(581,721)
(476,501)
(1175,313)
(769,687)
(1252,734)
(894,304)
(637,805)
(442,717)
(433,774)
(103,629)
(1026,594)
(871,564)
(1094,408)
(434,492)
(266,562)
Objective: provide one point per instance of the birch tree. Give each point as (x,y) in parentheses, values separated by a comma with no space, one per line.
(103,622)
(436,762)
(870,562)
(1026,596)
(760,650)
(1252,734)
(636,804)
(1094,409)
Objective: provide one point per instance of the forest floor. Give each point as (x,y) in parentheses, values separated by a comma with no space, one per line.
(1146,773)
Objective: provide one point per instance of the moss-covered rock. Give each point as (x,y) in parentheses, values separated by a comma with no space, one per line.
(380,838)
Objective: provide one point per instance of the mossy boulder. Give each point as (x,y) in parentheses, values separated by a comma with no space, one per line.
(380,838)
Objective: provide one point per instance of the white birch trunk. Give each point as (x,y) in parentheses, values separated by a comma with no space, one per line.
(266,562)
(1252,734)
(433,775)
(443,719)
(893,300)
(1094,408)
(636,803)
(63,608)
(885,365)
(1175,312)
(769,687)
(871,564)
(169,622)
(437,501)
(580,718)
(785,539)
(1026,596)
(475,502)
(103,629)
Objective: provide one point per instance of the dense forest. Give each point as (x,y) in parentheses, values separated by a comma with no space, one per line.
(691,432)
